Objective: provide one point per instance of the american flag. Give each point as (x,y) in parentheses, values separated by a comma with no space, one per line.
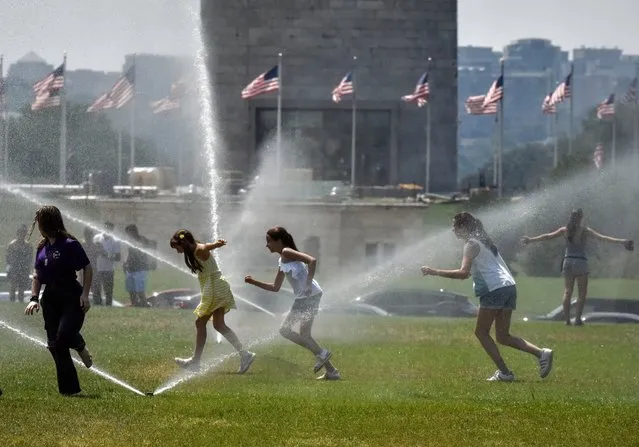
(48,89)
(268,81)
(546,107)
(598,157)
(562,92)
(54,80)
(606,108)
(631,94)
(421,93)
(495,93)
(123,90)
(173,101)
(475,106)
(345,87)
(103,102)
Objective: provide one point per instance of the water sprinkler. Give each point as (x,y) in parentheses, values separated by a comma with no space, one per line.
(149,393)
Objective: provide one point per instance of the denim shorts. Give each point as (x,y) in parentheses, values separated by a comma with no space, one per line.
(502,298)
(306,308)
(135,282)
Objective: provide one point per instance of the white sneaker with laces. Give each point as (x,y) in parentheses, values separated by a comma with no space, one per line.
(187,363)
(86,357)
(322,358)
(501,377)
(545,362)
(246,359)
(333,375)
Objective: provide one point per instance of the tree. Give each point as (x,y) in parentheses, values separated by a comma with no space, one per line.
(34,145)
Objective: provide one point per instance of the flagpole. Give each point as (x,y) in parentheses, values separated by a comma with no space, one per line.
(635,127)
(354,128)
(614,141)
(279,120)
(427,183)
(555,157)
(63,126)
(572,96)
(132,157)
(5,120)
(501,132)
(119,156)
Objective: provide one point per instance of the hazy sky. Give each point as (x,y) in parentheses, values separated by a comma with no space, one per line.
(97,33)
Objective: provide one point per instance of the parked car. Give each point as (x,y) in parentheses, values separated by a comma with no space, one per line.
(622,305)
(354,309)
(609,317)
(420,302)
(170,297)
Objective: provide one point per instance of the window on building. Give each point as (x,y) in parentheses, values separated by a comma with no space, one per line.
(321,140)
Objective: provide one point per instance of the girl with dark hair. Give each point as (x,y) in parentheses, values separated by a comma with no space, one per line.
(575,263)
(495,287)
(64,301)
(299,269)
(216,297)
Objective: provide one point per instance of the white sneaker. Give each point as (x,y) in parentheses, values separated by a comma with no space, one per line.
(545,362)
(246,359)
(86,357)
(333,375)
(190,363)
(501,377)
(322,358)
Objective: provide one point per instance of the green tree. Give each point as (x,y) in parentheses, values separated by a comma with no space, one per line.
(34,145)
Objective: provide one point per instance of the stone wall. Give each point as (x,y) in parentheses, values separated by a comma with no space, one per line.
(392,40)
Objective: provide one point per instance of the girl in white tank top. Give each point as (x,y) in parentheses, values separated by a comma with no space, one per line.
(495,286)
(299,269)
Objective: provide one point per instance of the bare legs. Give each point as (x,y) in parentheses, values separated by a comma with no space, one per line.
(582,292)
(501,317)
(569,284)
(303,337)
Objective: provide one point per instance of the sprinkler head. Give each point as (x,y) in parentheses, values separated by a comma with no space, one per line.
(149,393)
(0,391)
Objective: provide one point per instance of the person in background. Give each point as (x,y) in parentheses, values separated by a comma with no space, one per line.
(109,252)
(574,266)
(19,259)
(136,268)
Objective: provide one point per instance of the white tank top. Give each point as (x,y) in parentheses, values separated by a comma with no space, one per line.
(489,272)
(297,275)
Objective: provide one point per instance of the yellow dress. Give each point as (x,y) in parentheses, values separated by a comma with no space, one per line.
(216,291)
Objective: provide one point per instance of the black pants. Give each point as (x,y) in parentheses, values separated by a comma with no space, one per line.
(103,280)
(63,319)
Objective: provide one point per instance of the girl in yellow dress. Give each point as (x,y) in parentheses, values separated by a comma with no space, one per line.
(216,297)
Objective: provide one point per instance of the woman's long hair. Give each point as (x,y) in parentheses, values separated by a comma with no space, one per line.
(184,238)
(280,234)
(574,223)
(49,218)
(475,229)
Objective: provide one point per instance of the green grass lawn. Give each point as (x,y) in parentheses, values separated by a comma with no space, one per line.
(406,382)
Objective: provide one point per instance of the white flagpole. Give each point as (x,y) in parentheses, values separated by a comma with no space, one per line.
(279,120)
(635,124)
(5,120)
(119,156)
(132,157)
(427,183)
(501,133)
(354,129)
(572,96)
(63,126)
(614,140)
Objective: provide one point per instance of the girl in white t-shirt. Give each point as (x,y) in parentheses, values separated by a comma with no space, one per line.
(495,286)
(299,269)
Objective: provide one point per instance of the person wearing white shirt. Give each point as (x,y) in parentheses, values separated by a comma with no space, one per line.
(108,254)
